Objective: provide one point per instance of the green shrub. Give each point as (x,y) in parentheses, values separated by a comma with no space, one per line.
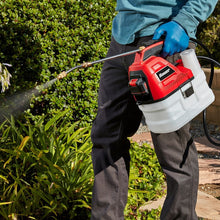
(46,170)
(42,38)
(208,33)
(146,182)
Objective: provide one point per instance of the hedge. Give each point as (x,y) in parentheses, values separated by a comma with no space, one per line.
(42,38)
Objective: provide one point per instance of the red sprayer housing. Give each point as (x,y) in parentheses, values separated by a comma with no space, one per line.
(152,78)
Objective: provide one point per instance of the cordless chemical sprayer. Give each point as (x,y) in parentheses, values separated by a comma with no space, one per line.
(168,95)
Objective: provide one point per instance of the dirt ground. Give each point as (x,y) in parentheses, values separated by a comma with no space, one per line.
(211,189)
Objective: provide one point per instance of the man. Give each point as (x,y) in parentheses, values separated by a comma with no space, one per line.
(118,117)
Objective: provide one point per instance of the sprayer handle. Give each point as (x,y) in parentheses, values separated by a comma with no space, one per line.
(153,50)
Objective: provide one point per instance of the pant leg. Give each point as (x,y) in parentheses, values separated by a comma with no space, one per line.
(118,117)
(178,158)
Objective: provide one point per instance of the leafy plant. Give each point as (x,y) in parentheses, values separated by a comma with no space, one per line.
(42,38)
(146,181)
(208,33)
(4,77)
(45,170)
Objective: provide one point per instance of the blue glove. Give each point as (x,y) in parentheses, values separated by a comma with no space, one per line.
(176,39)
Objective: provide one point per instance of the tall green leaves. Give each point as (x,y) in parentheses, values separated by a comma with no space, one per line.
(46,169)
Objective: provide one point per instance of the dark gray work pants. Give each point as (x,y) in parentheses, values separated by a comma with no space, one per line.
(118,117)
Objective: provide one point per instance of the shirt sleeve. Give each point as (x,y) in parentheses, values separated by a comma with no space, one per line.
(193,13)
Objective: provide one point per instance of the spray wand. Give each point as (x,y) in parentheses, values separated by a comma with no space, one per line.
(87,64)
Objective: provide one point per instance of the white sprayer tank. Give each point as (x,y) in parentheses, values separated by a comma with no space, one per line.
(177,110)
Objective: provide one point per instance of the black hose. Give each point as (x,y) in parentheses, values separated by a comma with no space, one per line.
(210,56)
(204,112)
(213,63)
(210,60)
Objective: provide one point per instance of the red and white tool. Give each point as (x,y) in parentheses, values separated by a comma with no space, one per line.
(168,95)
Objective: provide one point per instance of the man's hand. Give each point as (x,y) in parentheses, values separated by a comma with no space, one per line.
(176,39)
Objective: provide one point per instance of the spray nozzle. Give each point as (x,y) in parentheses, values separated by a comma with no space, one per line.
(62,75)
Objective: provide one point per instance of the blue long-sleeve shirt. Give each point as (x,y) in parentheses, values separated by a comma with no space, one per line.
(138,18)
